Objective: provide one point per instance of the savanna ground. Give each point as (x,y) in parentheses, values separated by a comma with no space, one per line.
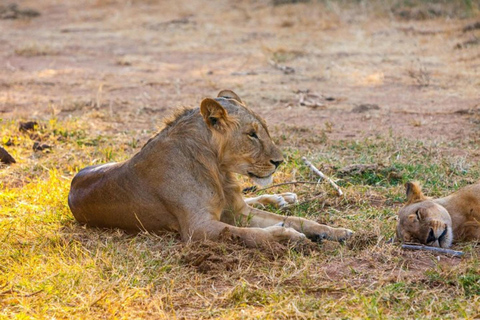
(390,84)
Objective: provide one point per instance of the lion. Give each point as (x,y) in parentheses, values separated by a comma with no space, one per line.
(439,222)
(183,180)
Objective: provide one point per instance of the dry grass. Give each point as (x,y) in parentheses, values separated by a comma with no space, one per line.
(421,76)
(53,267)
(35,49)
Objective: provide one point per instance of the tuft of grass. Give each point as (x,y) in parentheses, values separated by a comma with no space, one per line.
(421,76)
(470,283)
(35,50)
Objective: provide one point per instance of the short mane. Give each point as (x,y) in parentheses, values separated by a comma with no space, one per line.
(179,114)
(171,121)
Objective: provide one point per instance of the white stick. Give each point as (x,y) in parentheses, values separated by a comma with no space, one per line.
(321,175)
(434,249)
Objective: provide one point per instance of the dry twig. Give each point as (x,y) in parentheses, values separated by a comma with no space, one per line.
(320,174)
(286,183)
(311,100)
(284,69)
(434,249)
(17,293)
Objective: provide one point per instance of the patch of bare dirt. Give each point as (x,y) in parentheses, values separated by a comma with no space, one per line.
(212,257)
(380,265)
(133,62)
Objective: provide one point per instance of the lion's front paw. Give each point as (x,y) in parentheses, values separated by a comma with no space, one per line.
(341,234)
(282,199)
(289,197)
(278,201)
(335,234)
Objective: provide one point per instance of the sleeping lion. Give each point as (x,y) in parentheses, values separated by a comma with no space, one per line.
(183,179)
(439,222)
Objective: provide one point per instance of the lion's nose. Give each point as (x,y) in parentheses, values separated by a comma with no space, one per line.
(431,236)
(276,163)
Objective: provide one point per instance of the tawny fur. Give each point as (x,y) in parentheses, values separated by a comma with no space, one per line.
(439,222)
(183,180)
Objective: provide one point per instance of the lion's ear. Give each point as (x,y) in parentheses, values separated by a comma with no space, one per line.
(413,218)
(214,114)
(414,192)
(229,94)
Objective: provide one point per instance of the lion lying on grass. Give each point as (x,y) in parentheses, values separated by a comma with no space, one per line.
(438,222)
(183,180)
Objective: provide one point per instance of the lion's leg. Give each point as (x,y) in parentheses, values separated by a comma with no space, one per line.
(277,200)
(313,230)
(252,237)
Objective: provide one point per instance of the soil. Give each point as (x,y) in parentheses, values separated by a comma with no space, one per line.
(126,65)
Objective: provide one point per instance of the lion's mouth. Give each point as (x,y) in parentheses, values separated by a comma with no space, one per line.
(443,240)
(261,181)
(254,176)
(442,236)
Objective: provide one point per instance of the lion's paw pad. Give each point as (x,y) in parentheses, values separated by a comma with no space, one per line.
(289,197)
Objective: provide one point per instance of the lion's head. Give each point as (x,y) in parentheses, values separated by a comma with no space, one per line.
(423,221)
(246,145)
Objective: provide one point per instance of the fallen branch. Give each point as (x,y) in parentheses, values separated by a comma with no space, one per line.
(33,294)
(320,174)
(311,100)
(285,184)
(8,291)
(98,299)
(284,69)
(434,249)
(26,295)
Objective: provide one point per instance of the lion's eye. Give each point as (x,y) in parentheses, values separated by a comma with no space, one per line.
(253,134)
(418,214)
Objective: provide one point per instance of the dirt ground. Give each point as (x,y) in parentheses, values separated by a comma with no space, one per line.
(357,72)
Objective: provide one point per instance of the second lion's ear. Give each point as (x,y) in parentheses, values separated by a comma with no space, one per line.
(414,192)
(229,94)
(214,114)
